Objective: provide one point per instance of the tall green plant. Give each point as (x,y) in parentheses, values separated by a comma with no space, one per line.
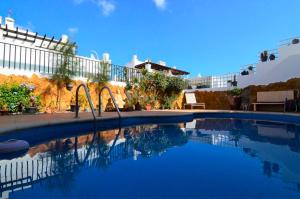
(64,72)
(162,88)
(102,77)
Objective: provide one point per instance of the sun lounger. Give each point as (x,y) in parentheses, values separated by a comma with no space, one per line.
(192,102)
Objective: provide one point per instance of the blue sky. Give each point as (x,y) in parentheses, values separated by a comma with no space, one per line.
(200,36)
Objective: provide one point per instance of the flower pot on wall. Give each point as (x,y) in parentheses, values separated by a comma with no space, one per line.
(244,72)
(148,107)
(69,86)
(272,57)
(295,41)
(137,107)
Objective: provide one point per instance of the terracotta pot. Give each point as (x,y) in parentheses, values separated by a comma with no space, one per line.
(148,107)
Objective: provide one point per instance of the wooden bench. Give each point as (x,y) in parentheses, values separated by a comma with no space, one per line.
(273,98)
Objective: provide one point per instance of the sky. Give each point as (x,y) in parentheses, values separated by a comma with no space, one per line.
(206,37)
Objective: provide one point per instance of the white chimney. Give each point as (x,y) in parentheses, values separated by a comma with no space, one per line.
(148,67)
(134,58)
(105,57)
(64,38)
(10,22)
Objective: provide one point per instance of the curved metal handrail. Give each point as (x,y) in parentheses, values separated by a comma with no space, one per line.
(88,97)
(112,97)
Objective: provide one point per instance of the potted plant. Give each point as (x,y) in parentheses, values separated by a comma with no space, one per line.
(63,74)
(81,101)
(69,86)
(272,57)
(264,56)
(148,103)
(250,68)
(235,98)
(128,106)
(33,105)
(3,108)
(244,72)
(295,41)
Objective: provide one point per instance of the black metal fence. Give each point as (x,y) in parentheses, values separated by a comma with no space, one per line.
(46,62)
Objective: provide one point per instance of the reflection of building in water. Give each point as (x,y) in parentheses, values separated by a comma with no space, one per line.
(21,173)
(62,159)
(276,145)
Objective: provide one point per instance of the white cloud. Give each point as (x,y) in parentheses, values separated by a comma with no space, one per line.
(106,6)
(160,4)
(72,31)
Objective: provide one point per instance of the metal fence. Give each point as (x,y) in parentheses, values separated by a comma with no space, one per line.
(218,81)
(46,62)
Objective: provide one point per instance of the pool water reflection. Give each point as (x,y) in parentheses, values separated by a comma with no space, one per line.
(206,158)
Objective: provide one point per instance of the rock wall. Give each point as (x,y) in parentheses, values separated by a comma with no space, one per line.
(220,99)
(48,92)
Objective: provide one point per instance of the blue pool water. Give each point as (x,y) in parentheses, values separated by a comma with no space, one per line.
(205,158)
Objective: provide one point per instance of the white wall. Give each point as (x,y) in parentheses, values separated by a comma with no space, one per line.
(285,67)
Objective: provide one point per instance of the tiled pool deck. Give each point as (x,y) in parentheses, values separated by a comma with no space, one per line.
(15,122)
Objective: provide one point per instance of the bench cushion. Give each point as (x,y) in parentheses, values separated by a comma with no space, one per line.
(274,96)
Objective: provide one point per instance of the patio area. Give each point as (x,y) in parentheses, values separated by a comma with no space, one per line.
(16,122)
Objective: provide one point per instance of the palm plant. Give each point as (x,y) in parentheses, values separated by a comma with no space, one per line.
(64,72)
(102,77)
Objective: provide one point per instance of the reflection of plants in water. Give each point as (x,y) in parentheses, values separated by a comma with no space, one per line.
(270,168)
(62,166)
(153,140)
(103,149)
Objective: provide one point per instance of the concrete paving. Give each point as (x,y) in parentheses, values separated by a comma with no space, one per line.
(15,122)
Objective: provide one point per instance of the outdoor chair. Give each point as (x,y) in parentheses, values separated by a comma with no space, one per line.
(192,102)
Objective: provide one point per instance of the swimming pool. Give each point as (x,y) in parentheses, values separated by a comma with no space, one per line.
(200,158)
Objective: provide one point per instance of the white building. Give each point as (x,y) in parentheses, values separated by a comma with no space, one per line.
(161,66)
(279,66)
(23,52)
(284,67)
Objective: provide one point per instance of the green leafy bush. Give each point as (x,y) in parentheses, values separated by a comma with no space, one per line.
(15,98)
(161,88)
(235,92)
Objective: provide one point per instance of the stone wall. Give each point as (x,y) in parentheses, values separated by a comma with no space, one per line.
(48,92)
(220,99)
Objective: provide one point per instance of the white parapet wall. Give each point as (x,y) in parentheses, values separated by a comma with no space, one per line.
(285,67)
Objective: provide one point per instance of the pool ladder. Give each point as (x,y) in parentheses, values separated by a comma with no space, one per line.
(86,91)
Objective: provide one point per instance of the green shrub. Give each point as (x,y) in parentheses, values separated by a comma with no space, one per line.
(15,98)
(235,92)
(162,88)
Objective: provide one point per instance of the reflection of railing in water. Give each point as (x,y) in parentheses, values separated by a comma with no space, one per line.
(219,140)
(21,173)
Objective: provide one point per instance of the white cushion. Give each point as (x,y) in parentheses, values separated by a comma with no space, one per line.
(190,98)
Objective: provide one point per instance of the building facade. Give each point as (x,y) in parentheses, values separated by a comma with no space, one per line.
(23,52)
